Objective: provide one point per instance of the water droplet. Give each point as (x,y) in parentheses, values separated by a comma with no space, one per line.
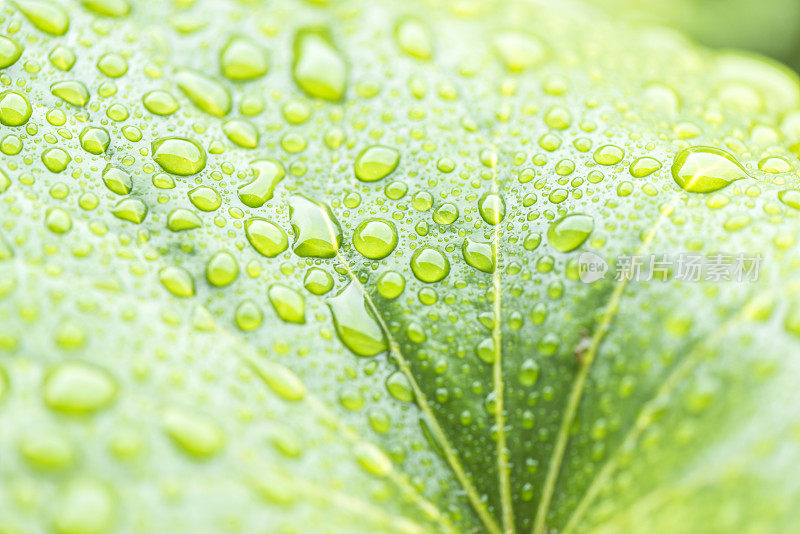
(248,315)
(317,233)
(429,265)
(376,162)
(485,350)
(194,433)
(279,379)
(318,68)
(519,51)
(222,269)
(241,133)
(160,103)
(269,173)
(181,219)
(45,15)
(414,39)
(108,8)
(177,280)
(10,52)
(179,155)
(445,214)
(71,91)
(117,180)
(95,140)
(55,159)
(112,65)
(131,210)
(206,93)
(205,198)
(529,372)
(481,256)
(608,155)
(47,450)
(62,58)
(373,460)
(243,60)
(266,237)
(704,169)
(492,208)
(644,167)
(569,232)
(15,110)
(774,165)
(288,303)
(375,238)
(355,324)
(399,387)
(318,281)
(85,507)
(790,197)
(391,284)
(78,388)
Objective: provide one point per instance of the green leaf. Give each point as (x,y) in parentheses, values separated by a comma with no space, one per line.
(310,266)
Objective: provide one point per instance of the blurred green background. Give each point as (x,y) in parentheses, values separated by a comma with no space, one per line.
(770,27)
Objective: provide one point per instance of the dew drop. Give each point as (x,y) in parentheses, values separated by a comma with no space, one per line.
(177,280)
(10,52)
(15,110)
(317,233)
(375,238)
(131,210)
(355,324)
(288,303)
(481,256)
(194,433)
(47,16)
(266,237)
(179,155)
(71,91)
(492,208)
(268,174)
(376,162)
(429,265)
(243,60)
(222,269)
(78,388)
(569,232)
(117,180)
(206,93)
(702,169)
(318,68)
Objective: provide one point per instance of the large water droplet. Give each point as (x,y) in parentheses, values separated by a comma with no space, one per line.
(288,303)
(317,233)
(569,232)
(429,265)
(355,324)
(196,434)
(15,110)
(10,52)
(45,15)
(482,256)
(318,68)
(78,388)
(268,173)
(242,60)
(703,169)
(375,238)
(266,237)
(376,162)
(206,93)
(179,155)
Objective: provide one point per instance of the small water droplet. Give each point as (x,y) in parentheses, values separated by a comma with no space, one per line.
(429,265)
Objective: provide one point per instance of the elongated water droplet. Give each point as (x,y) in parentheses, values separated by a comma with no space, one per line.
(318,68)
(279,379)
(241,132)
(317,233)
(266,237)
(375,238)
(78,388)
(45,15)
(206,93)
(703,169)
(131,210)
(71,91)
(482,256)
(179,155)
(10,52)
(242,60)
(355,324)
(288,303)
(414,39)
(790,197)
(519,51)
(194,433)
(109,8)
(205,198)
(117,180)
(569,232)
(269,173)
(160,103)
(644,167)
(181,219)
(177,280)
(376,162)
